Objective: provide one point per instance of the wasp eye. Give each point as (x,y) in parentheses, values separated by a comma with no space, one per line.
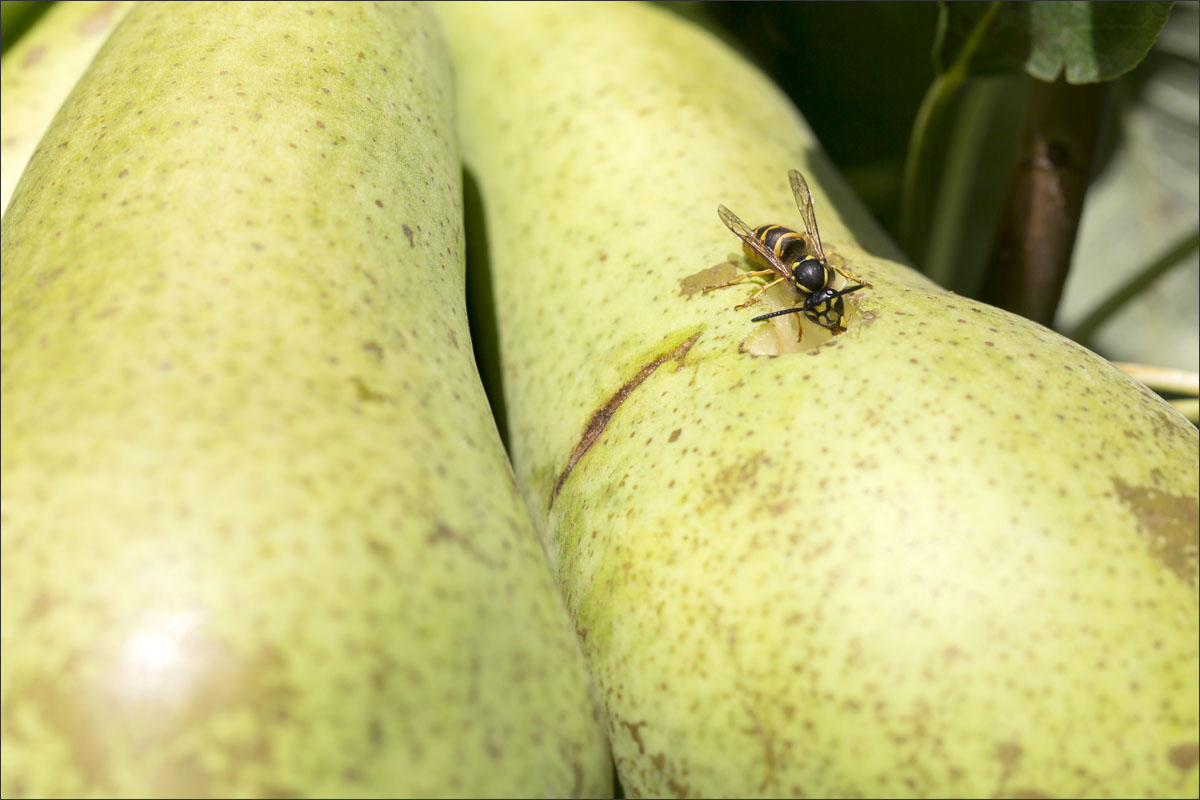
(810,274)
(837,309)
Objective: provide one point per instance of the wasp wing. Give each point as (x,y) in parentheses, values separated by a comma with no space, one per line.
(804,203)
(743,232)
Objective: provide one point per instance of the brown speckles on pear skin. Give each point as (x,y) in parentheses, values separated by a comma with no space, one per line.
(101,20)
(33,57)
(233,575)
(738,477)
(445,534)
(938,480)
(366,394)
(374,349)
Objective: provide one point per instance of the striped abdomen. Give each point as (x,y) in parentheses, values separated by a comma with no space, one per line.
(785,243)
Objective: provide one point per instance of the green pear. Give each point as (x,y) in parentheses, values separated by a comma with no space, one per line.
(260,536)
(39,72)
(946,553)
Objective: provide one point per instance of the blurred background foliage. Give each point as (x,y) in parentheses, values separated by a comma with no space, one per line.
(859,71)
(16,17)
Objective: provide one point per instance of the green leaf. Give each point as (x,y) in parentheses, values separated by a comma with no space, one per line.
(1093,41)
(1003,47)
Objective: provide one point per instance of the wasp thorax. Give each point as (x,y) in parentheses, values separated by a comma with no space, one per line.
(810,275)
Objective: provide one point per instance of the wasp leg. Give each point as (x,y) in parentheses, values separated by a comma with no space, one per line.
(738,279)
(850,277)
(754,297)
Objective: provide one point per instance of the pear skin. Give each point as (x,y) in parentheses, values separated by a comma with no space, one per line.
(40,71)
(946,553)
(260,536)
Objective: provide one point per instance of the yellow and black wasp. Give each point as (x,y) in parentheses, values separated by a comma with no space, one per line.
(785,254)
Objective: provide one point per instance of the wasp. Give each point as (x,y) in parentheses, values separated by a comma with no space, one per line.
(785,254)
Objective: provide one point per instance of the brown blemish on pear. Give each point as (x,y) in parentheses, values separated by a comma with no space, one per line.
(934,558)
(1184,757)
(259,534)
(1170,524)
(600,419)
(714,275)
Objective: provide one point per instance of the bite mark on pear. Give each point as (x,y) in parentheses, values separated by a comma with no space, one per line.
(599,420)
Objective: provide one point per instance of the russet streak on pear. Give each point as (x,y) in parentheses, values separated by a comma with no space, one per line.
(944,553)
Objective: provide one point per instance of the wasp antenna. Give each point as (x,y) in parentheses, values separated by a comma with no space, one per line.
(841,292)
(761,317)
